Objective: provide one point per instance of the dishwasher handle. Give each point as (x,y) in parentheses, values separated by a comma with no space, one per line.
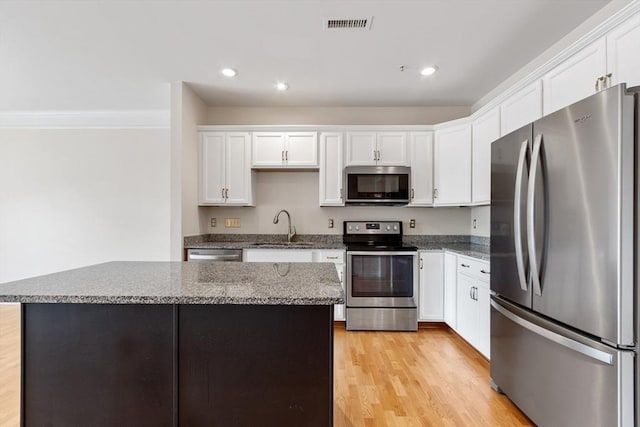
(217,255)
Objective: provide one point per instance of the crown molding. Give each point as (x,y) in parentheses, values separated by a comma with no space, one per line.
(106,119)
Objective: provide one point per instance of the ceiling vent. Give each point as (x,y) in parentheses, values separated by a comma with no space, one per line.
(348,23)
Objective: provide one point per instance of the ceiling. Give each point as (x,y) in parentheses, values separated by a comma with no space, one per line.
(73,55)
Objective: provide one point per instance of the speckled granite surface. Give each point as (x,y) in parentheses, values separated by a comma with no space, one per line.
(183,283)
(473,246)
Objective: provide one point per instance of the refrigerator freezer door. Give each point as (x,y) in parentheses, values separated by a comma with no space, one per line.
(584,216)
(509,258)
(557,377)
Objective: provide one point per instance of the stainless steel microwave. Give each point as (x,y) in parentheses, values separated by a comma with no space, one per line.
(377,185)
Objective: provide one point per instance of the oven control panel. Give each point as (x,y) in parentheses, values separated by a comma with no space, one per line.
(373,227)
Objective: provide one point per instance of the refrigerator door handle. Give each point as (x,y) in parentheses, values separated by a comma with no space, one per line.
(531,236)
(517,235)
(557,338)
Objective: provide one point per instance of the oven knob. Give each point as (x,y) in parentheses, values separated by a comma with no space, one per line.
(349,228)
(357,228)
(395,228)
(388,228)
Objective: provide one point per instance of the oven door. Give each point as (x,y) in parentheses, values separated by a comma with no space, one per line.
(382,279)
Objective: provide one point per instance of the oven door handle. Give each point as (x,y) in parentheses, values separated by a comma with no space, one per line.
(384,253)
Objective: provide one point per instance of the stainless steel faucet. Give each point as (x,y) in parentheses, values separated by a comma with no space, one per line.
(290,234)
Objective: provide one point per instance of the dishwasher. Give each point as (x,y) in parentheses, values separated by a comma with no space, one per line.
(214,255)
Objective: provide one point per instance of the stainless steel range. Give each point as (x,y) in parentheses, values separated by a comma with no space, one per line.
(382,277)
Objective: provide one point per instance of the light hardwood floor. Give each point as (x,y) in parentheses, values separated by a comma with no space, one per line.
(428,378)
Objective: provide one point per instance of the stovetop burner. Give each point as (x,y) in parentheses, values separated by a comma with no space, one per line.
(374,236)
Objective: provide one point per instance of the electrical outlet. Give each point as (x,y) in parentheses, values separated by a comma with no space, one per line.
(232,222)
(213,222)
(412,223)
(475,223)
(331,223)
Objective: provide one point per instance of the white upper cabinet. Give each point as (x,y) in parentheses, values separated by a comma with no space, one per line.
(421,168)
(331,169)
(285,149)
(521,108)
(623,58)
(575,78)
(225,176)
(377,148)
(392,149)
(485,130)
(452,166)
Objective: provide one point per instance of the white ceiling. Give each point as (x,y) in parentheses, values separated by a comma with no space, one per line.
(74,55)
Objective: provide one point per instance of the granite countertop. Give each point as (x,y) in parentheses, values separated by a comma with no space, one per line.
(183,283)
(459,244)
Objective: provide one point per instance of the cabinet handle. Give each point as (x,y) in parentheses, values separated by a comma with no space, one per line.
(421,263)
(475,293)
(471,292)
(223,193)
(485,272)
(286,155)
(464,265)
(375,155)
(435,193)
(282,155)
(226,193)
(600,83)
(341,194)
(413,194)
(607,81)
(332,257)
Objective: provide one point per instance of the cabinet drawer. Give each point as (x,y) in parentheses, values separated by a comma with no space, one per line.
(474,267)
(336,257)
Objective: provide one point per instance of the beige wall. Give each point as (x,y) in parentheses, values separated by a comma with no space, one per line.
(334,115)
(75,197)
(297,192)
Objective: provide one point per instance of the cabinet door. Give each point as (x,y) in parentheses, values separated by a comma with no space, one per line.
(521,108)
(268,149)
(450,289)
(238,168)
(575,78)
(485,130)
(431,307)
(392,149)
(277,255)
(331,170)
(301,149)
(361,149)
(484,311)
(623,61)
(452,166)
(467,309)
(421,168)
(212,168)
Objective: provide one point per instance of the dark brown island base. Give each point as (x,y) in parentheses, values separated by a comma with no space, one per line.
(178,344)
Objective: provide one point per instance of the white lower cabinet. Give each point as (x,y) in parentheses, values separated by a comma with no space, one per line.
(337,257)
(431,298)
(473,303)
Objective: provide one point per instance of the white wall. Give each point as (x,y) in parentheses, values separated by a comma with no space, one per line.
(75,197)
(297,192)
(334,115)
(482,216)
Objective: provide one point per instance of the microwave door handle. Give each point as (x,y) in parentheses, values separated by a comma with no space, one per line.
(517,216)
(531,231)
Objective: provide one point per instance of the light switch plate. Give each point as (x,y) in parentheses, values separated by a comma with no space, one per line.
(213,222)
(330,222)
(412,223)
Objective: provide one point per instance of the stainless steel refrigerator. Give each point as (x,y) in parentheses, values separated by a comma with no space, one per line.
(564,217)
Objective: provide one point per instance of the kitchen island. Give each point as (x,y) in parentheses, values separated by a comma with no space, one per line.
(170,343)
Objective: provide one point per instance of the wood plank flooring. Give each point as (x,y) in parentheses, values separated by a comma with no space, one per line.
(428,378)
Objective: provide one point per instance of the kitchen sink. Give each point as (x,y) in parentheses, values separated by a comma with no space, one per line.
(282,244)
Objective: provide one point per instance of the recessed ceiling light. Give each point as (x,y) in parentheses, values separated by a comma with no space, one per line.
(428,71)
(228,72)
(282,86)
